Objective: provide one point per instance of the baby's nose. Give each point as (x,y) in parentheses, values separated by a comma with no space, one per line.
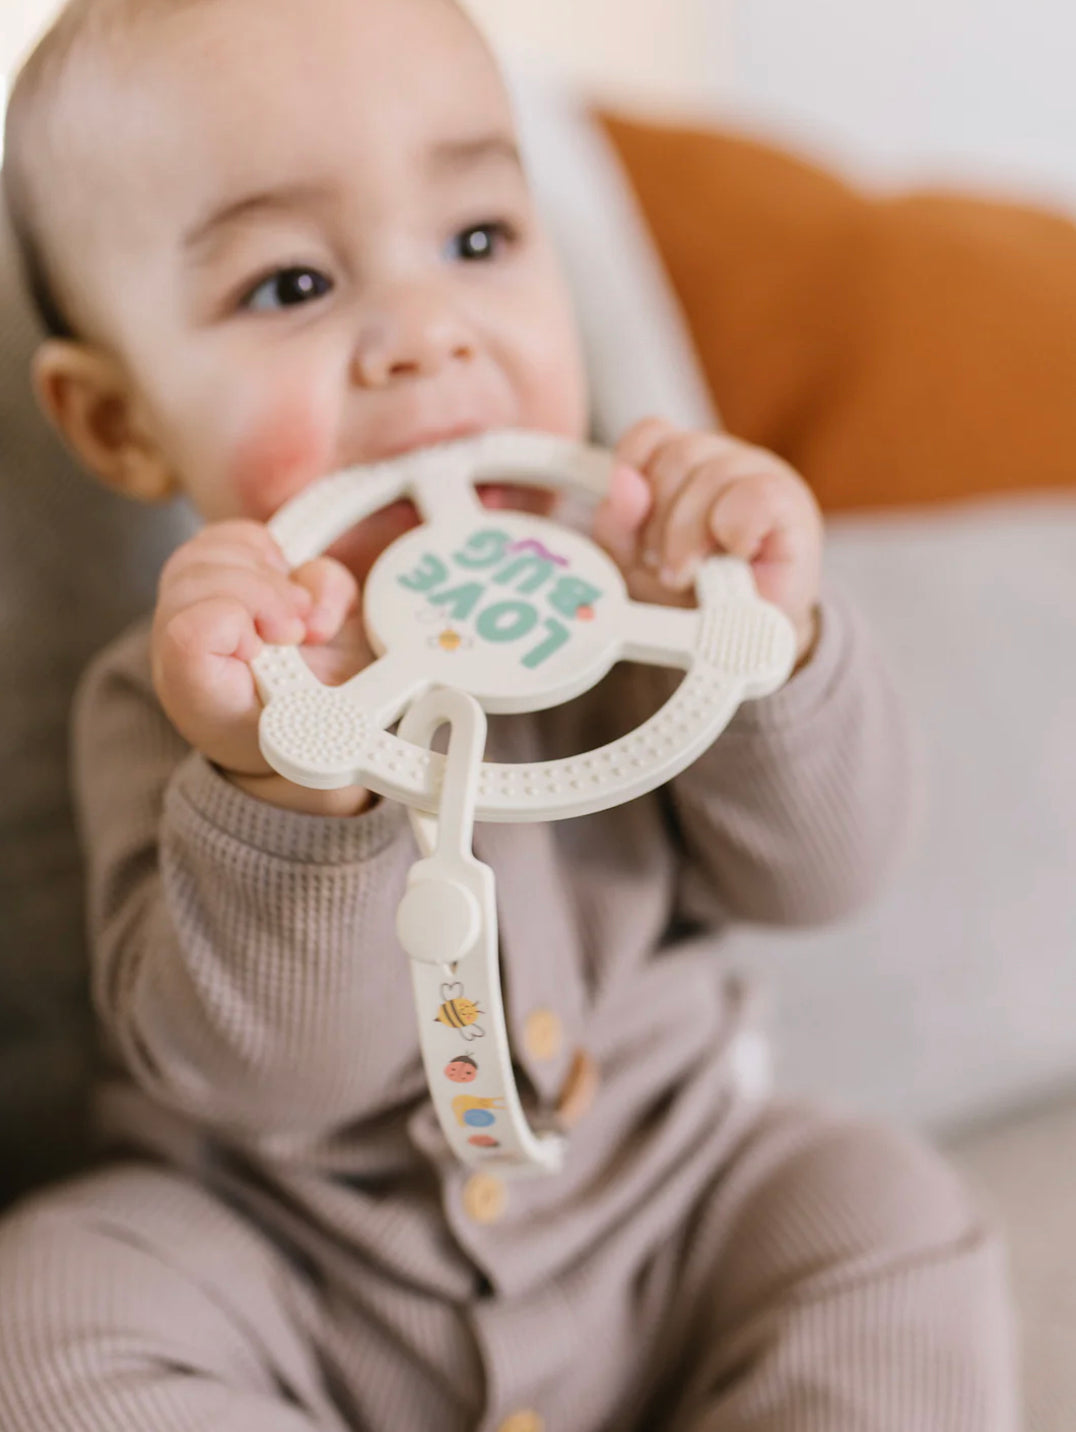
(409,335)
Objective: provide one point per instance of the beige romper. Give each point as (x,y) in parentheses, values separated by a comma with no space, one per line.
(279,1242)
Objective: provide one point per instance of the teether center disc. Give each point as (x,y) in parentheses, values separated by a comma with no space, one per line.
(519,612)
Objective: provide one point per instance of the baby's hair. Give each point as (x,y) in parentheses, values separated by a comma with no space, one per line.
(79,27)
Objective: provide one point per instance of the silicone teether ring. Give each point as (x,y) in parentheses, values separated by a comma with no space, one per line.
(734,646)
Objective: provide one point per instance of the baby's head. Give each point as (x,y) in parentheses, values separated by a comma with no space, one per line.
(274,238)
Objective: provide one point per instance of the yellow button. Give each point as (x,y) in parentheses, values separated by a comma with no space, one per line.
(579,1091)
(523,1422)
(543,1034)
(485,1197)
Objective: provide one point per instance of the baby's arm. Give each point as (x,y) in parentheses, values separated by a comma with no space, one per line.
(796,811)
(241,953)
(221,595)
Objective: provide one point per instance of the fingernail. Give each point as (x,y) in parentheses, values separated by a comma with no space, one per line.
(294,632)
(651,559)
(686,573)
(317,623)
(678,579)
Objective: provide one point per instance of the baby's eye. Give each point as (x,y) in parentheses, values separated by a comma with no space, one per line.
(481,241)
(286,288)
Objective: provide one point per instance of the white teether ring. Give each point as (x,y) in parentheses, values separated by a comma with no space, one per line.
(733,647)
(475,611)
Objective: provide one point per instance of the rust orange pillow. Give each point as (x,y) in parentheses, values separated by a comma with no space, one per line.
(896,350)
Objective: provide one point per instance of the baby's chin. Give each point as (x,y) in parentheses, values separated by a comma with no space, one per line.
(359,548)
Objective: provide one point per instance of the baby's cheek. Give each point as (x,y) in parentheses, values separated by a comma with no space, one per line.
(281,451)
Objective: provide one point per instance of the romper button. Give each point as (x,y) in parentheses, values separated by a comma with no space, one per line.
(485,1197)
(543,1034)
(579,1091)
(523,1422)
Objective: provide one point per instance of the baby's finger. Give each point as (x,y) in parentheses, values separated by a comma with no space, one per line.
(203,578)
(237,543)
(670,468)
(619,516)
(278,607)
(334,595)
(687,536)
(198,636)
(642,440)
(746,513)
(202,675)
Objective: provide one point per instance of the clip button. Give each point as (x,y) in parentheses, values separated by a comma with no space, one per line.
(440,918)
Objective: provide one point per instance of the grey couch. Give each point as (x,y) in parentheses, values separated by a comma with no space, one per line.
(75,566)
(951,1004)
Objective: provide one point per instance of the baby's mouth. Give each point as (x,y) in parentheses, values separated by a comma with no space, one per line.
(516,498)
(359,548)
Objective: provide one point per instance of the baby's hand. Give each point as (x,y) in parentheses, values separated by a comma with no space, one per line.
(676,497)
(221,596)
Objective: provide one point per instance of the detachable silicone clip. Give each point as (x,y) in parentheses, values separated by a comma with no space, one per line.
(447,923)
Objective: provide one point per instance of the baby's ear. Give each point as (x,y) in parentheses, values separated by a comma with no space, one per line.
(89,400)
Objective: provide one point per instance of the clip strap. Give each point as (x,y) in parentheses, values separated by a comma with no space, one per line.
(447,923)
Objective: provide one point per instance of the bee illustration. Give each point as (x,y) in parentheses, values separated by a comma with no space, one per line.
(450,640)
(459,1013)
(473,1113)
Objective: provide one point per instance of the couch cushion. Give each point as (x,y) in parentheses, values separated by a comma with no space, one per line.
(953,994)
(75,565)
(896,350)
(1024,1169)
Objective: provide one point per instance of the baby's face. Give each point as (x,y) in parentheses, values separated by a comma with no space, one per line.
(312,245)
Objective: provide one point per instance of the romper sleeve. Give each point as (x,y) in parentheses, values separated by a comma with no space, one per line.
(799,809)
(243,955)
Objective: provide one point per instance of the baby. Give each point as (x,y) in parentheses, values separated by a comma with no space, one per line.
(272,239)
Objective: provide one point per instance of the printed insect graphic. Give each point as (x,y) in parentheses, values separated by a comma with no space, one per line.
(473,1112)
(450,638)
(458,1012)
(484,1141)
(462,1070)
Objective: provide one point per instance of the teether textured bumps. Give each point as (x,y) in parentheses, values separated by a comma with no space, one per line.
(517,611)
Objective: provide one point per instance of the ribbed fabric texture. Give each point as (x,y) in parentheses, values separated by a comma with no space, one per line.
(304,1254)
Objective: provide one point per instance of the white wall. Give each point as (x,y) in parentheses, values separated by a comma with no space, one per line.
(656,55)
(652,55)
(20,23)
(980,90)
